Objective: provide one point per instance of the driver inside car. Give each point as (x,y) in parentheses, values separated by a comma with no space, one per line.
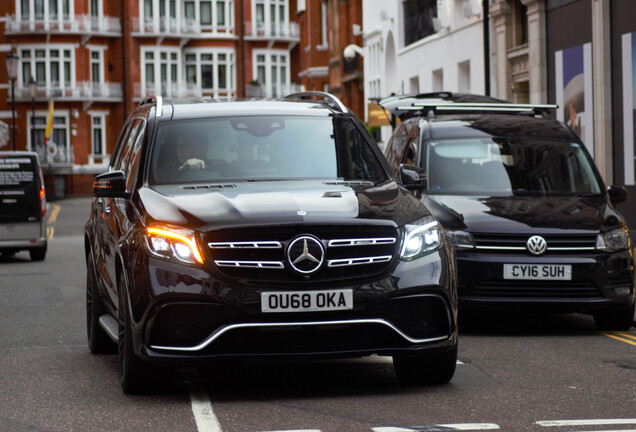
(191,155)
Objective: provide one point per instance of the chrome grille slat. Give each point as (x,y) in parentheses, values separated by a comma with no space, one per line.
(250,264)
(360,242)
(358,261)
(246,245)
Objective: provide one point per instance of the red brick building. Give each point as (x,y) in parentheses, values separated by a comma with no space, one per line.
(97,59)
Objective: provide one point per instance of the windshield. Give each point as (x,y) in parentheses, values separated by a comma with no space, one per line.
(262,148)
(503,167)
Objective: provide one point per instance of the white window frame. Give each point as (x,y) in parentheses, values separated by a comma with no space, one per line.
(216,92)
(324,43)
(47,61)
(99,49)
(281,89)
(68,158)
(172,83)
(47,15)
(271,25)
(101,115)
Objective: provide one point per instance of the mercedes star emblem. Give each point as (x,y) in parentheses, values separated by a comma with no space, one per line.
(536,245)
(305,254)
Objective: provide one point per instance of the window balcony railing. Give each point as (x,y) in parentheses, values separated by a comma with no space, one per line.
(177,27)
(260,30)
(78,24)
(82,91)
(177,90)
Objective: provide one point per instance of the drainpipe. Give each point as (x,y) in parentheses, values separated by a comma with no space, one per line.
(485,5)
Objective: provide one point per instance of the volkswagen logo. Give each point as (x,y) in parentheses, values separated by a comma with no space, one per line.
(536,245)
(305,254)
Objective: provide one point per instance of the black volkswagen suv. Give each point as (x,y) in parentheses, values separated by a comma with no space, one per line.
(520,197)
(263,229)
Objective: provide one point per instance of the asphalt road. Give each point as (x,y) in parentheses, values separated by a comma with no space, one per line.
(521,372)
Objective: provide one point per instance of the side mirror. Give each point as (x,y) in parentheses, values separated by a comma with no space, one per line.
(412,177)
(617,194)
(110,185)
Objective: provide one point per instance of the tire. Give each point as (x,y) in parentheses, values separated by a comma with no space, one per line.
(98,340)
(620,319)
(422,370)
(38,254)
(132,368)
(8,252)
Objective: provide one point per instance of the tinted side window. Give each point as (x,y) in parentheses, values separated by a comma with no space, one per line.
(121,142)
(396,149)
(132,167)
(125,153)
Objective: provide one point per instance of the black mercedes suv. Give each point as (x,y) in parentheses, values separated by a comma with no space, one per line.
(517,192)
(263,229)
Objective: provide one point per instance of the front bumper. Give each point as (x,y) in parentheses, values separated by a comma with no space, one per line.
(599,281)
(186,313)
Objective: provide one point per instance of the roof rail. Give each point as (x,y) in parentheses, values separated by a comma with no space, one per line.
(157,100)
(324,97)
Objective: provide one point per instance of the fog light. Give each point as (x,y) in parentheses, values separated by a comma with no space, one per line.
(620,292)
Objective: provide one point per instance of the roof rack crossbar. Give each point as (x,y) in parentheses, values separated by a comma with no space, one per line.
(325,97)
(480,106)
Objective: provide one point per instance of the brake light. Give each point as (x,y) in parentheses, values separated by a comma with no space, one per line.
(42,194)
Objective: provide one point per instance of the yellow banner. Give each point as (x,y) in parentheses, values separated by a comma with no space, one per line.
(49,123)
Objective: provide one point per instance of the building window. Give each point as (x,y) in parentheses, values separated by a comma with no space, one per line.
(323,25)
(272,16)
(97,61)
(99,134)
(418,19)
(213,69)
(52,67)
(463,77)
(43,10)
(272,71)
(160,71)
(438,80)
(58,145)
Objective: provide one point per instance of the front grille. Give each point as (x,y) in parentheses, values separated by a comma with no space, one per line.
(532,289)
(516,243)
(351,252)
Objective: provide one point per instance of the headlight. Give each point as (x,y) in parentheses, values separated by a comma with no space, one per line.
(420,238)
(614,240)
(172,243)
(461,239)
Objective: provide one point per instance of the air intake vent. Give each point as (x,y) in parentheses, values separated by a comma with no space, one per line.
(209,186)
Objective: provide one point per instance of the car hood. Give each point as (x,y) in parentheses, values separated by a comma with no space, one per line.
(523,214)
(278,202)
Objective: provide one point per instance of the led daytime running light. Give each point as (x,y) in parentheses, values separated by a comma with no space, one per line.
(191,242)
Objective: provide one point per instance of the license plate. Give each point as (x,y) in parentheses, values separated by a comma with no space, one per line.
(538,271)
(306,301)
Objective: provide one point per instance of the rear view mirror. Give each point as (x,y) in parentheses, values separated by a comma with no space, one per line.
(412,177)
(617,194)
(110,185)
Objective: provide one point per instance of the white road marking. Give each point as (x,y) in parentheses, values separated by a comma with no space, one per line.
(442,427)
(590,422)
(203,414)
